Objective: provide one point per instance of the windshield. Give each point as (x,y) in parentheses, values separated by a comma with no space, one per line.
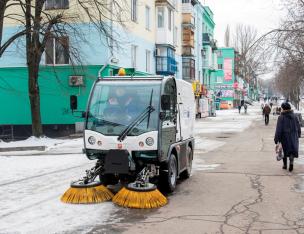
(116,104)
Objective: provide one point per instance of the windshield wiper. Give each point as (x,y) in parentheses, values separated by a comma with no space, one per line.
(151,97)
(135,122)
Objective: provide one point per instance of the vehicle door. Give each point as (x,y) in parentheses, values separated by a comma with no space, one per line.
(169,119)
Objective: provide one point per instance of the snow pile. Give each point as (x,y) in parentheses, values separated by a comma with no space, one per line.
(33,141)
(53,146)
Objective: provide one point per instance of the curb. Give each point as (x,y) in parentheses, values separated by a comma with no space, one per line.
(23,148)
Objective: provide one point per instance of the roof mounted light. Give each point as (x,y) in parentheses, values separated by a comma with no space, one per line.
(121,72)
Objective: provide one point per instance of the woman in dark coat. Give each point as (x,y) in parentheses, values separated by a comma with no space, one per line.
(288,132)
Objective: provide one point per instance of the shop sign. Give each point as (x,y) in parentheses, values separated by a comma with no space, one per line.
(228,69)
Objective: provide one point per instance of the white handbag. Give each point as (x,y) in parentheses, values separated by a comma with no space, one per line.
(279,152)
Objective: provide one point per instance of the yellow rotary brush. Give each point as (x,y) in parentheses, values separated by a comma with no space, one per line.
(140,196)
(80,193)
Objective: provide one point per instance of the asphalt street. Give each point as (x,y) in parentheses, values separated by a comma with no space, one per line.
(248,192)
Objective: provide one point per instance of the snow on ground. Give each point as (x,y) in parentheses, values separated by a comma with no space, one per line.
(31,188)
(53,146)
(228,121)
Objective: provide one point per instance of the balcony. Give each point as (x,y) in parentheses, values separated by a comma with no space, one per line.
(188,21)
(171,3)
(188,6)
(165,65)
(188,69)
(188,37)
(187,51)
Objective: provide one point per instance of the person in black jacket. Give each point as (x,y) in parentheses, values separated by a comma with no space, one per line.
(287,133)
(266,112)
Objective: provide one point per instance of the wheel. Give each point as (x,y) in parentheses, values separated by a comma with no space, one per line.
(169,177)
(107,179)
(186,174)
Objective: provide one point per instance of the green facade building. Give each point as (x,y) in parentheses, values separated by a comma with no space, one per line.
(56,84)
(228,86)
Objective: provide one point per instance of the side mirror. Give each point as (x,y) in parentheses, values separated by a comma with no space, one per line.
(73,102)
(165,102)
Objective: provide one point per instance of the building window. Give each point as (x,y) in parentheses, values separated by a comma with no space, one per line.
(56,4)
(169,19)
(148,60)
(160,17)
(134,56)
(147,18)
(188,69)
(219,53)
(220,66)
(57,51)
(134,10)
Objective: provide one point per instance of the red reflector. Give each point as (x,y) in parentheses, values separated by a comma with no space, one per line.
(119,146)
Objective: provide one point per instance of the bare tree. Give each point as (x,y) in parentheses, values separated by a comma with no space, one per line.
(38,26)
(288,45)
(227,36)
(252,55)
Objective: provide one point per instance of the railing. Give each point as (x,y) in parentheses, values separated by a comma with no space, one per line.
(166,65)
(170,2)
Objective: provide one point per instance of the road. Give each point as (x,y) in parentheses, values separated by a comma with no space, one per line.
(236,187)
(247,193)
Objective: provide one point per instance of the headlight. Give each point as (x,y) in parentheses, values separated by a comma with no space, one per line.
(149,141)
(92,140)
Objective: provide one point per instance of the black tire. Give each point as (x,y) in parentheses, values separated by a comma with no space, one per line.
(186,173)
(108,179)
(169,177)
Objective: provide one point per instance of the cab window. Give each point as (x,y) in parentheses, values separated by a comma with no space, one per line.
(170,89)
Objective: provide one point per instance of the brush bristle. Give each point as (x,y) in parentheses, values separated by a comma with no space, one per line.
(138,199)
(90,195)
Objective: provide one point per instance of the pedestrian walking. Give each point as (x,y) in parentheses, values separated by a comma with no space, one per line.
(287,133)
(239,107)
(245,108)
(266,112)
(262,106)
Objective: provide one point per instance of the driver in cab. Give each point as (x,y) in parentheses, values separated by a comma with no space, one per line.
(122,106)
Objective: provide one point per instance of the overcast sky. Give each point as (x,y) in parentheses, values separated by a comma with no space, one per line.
(263,14)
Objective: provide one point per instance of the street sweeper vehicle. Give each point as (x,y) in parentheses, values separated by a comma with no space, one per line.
(140,131)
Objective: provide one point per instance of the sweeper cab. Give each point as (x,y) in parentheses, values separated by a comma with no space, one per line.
(140,131)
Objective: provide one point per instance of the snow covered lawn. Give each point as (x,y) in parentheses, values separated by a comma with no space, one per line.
(31,187)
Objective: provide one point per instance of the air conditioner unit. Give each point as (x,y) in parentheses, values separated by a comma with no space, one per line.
(76,81)
(157,52)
